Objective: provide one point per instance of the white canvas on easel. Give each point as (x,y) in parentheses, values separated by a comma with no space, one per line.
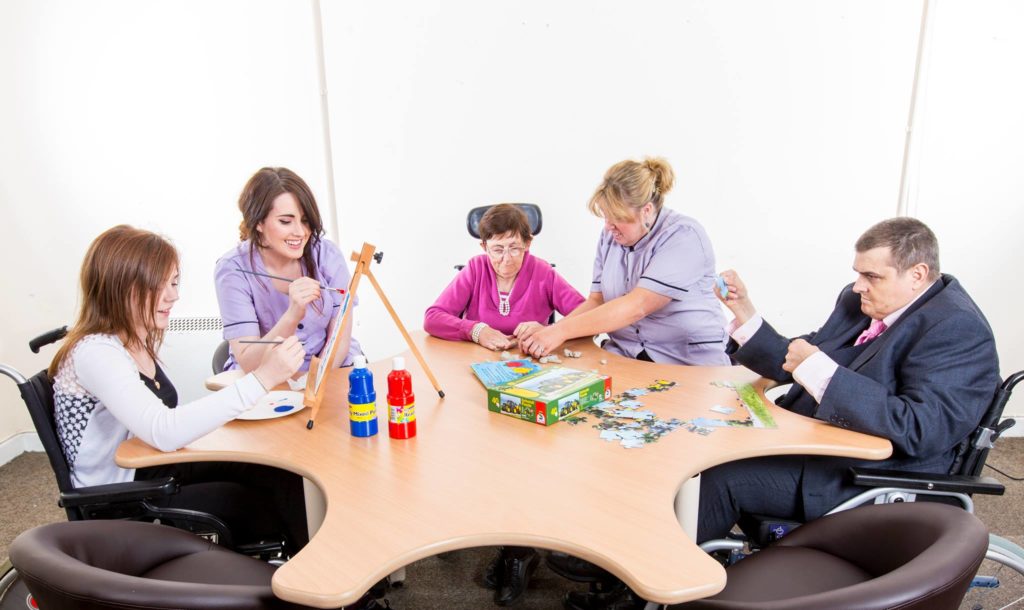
(325,355)
(314,393)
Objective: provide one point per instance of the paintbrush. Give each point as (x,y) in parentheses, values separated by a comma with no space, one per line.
(265,341)
(284,279)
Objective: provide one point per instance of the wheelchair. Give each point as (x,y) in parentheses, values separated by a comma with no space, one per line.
(132,500)
(999,582)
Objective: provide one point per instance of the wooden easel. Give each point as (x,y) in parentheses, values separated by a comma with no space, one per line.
(314,394)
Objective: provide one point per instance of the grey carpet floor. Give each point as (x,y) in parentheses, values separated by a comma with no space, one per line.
(452,581)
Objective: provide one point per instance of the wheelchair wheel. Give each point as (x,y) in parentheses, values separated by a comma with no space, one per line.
(14,594)
(999,582)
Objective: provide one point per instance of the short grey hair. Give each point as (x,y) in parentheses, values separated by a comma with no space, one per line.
(909,240)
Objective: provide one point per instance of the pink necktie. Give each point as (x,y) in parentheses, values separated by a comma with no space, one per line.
(876,328)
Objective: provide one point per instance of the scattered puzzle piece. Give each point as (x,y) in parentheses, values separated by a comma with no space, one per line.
(619,418)
(661,385)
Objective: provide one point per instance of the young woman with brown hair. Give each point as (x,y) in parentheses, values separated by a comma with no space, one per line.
(109,387)
(281,234)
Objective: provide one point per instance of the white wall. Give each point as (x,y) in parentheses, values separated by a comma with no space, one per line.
(784,121)
(969,175)
(152,114)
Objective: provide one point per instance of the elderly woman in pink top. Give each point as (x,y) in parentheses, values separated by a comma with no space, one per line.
(495,297)
(503,291)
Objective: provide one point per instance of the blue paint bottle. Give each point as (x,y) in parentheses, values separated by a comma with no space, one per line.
(362,400)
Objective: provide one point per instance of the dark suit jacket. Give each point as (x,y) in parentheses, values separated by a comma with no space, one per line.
(923,384)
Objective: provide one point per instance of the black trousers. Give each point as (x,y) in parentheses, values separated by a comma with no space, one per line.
(256,502)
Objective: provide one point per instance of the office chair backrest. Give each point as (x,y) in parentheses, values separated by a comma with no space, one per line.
(532,211)
(37,393)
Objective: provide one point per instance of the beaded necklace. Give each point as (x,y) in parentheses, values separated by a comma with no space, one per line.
(504,305)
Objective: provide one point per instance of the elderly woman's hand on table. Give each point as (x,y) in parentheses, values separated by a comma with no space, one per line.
(542,340)
(495,340)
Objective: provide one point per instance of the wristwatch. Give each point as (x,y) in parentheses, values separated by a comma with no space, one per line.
(477,329)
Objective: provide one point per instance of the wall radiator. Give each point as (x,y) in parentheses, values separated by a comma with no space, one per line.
(187,354)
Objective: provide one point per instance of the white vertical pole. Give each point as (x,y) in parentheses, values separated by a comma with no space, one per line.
(325,118)
(903,205)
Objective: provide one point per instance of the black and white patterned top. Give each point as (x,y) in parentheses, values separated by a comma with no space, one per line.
(100,401)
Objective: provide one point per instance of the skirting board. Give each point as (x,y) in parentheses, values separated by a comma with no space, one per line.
(17,444)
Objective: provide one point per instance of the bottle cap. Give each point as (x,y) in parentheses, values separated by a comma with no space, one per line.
(398,363)
(359,362)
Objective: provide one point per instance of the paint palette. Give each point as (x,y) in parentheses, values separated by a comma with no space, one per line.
(275,404)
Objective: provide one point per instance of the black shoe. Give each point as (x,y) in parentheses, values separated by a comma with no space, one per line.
(577,569)
(619,598)
(491,571)
(517,566)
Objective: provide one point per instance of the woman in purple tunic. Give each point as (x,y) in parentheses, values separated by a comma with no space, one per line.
(654,277)
(282,235)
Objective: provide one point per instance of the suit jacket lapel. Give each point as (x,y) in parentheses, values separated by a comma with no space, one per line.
(873,347)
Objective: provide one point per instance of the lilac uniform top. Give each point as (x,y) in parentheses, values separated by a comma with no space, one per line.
(674,259)
(250,306)
(473,297)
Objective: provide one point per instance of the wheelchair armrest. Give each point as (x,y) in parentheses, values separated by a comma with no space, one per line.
(116,493)
(926,481)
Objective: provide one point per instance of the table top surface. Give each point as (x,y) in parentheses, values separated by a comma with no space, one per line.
(475,478)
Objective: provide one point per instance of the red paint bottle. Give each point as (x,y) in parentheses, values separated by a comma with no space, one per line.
(401,401)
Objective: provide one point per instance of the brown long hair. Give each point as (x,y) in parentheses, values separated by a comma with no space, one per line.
(257,200)
(123,275)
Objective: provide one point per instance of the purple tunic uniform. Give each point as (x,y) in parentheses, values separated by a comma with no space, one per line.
(250,306)
(674,259)
(473,297)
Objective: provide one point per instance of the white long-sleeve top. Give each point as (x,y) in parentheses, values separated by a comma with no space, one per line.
(100,401)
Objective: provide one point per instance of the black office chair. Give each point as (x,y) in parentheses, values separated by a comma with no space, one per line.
(908,556)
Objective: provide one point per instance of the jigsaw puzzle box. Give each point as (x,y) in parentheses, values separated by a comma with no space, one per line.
(549,395)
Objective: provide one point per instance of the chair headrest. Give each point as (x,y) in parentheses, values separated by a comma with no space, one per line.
(532,211)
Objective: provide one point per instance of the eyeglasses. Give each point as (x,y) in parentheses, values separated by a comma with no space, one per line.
(499,252)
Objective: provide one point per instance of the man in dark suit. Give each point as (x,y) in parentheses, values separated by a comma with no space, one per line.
(905,355)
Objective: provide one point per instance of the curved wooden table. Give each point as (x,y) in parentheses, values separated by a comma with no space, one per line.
(474,478)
